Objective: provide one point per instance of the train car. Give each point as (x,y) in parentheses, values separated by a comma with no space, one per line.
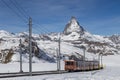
(72,65)
(91,64)
(82,65)
(96,65)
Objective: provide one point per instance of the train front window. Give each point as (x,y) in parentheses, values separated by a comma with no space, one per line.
(69,63)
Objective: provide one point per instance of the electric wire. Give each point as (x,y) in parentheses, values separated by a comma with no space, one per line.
(24,16)
(37,30)
(41,28)
(7,5)
(22,11)
(21,8)
(17,8)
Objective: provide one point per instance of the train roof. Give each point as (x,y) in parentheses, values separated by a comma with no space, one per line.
(85,60)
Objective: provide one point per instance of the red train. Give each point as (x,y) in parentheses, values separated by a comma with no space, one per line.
(72,65)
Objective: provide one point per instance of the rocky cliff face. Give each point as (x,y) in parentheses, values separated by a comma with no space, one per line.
(73,26)
(115,38)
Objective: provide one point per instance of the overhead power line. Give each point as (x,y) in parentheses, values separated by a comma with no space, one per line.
(19,9)
(43,28)
(22,9)
(23,15)
(14,11)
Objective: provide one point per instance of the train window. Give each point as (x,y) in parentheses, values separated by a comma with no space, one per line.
(69,63)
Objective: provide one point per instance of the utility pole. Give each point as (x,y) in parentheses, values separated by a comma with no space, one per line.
(57,59)
(21,56)
(83,47)
(94,53)
(59,54)
(84,57)
(101,61)
(30,46)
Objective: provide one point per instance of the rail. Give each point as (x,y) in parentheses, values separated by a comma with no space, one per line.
(35,73)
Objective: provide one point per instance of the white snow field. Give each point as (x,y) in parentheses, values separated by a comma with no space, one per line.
(111,71)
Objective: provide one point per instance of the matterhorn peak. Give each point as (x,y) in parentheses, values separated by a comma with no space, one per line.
(73,26)
(73,19)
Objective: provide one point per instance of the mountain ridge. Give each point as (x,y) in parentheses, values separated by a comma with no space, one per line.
(73,26)
(45,46)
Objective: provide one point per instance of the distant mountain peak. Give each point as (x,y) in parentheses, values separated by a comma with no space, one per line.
(73,26)
(73,19)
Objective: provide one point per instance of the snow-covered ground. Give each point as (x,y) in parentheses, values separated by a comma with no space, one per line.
(14,67)
(111,71)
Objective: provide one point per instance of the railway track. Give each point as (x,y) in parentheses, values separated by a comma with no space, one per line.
(17,74)
(35,73)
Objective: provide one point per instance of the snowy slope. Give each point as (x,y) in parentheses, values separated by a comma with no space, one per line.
(73,38)
(4,33)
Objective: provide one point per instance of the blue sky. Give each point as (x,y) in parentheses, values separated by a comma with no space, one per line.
(96,16)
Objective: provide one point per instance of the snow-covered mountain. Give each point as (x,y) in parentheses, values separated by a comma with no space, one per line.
(4,33)
(115,38)
(73,26)
(45,47)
